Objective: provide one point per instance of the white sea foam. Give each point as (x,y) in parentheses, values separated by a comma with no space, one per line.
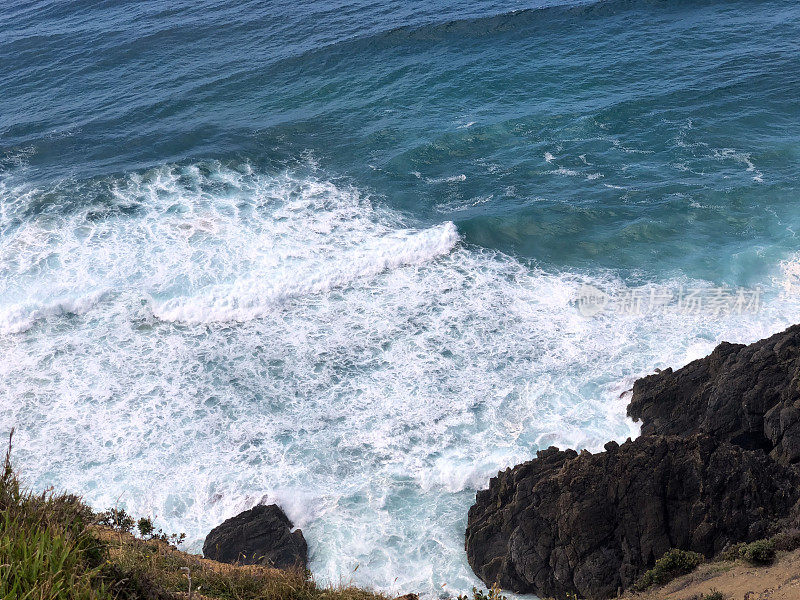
(462,205)
(788,279)
(700,152)
(565,171)
(366,373)
(743,158)
(16,318)
(258,293)
(451,179)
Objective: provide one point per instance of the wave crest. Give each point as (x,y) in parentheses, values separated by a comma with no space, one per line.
(258,294)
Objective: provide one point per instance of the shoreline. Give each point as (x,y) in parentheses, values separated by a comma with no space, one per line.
(717,463)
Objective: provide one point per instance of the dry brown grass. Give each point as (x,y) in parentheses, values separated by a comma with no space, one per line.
(157,567)
(735,580)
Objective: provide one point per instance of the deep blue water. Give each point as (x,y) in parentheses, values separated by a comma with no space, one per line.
(326,253)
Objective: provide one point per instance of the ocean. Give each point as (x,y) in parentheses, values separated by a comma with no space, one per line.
(332,254)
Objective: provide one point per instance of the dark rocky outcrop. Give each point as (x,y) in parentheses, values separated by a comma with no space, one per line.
(592,523)
(715,464)
(262,535)
(749,395)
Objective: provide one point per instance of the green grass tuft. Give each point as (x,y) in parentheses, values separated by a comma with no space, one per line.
(47,550)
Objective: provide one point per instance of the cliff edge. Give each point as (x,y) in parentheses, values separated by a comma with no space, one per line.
(716,464)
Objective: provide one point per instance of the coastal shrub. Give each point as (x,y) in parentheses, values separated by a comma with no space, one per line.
(787,540)
(761,552)
(674,563)
(145,527)
(733,552)
(492,593)
(148,532)
(713,595)
(117,519)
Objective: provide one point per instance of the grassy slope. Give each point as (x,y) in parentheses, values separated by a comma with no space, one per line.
(51,548)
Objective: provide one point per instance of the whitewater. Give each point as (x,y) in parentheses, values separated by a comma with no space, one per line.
(209,337)
(332,255)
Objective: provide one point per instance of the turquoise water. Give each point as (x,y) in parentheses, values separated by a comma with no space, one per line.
(328,254)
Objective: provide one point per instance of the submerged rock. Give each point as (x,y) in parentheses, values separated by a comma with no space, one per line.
(715,464)
(262,535)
